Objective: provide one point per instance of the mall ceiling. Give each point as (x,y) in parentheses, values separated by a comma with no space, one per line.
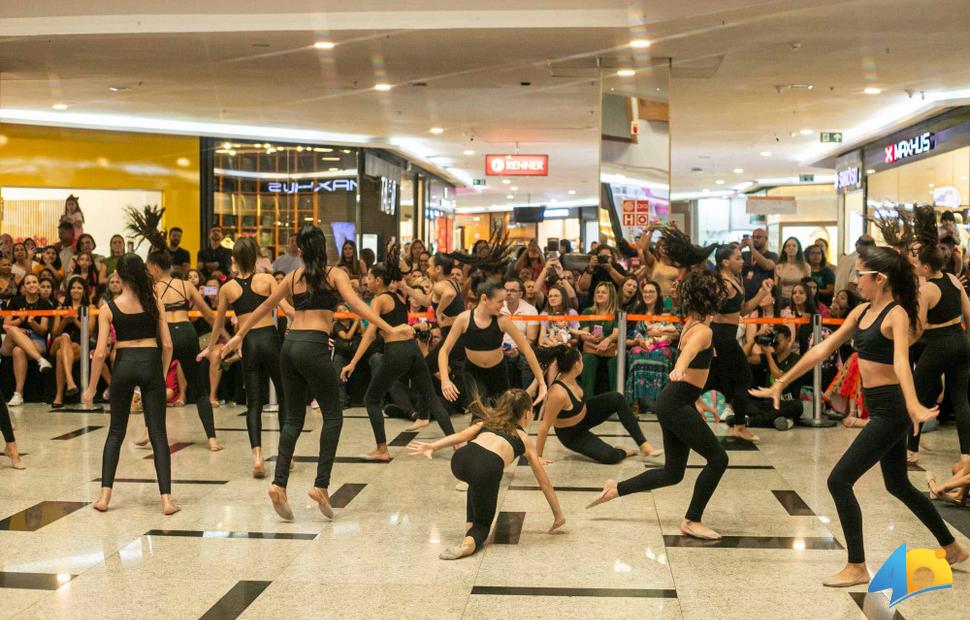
(498,76)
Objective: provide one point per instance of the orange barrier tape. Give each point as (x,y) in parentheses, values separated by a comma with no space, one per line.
(37,313)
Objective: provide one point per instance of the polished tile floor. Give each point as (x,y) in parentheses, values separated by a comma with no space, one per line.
(227,555)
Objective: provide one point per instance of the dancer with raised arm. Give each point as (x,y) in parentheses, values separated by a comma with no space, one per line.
(491,444)
(684,429)
(881,330)
(305,360)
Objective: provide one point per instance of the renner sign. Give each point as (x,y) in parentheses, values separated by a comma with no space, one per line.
(903,149)
(517,165)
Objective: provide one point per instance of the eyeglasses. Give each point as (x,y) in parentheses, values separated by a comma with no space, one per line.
(512,290)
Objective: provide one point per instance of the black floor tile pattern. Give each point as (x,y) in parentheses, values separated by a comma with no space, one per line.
(697,466)
(345,494)
(173,448)
(558,489)
(403,439)
(592,592)
(154,481)
(339,459)
(754,542)
(227,534)
(236,600)
(39,515)
(508,528)
(33,581)
(733,443)
(957,516)
(244,430)
(793,503)
(875,606)
(76,433)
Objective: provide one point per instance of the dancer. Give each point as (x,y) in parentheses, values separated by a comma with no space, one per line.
(491,445)
(881,332)
(574,418)
(484,373)
(305,360)
(260,348)
(138,321)
(6,429)
(402,357)
(701,294)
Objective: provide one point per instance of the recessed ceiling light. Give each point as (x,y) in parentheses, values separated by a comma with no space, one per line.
(639,43)
(571,192)
(766,153)
(514,188)
(436,130)
(510,196)
(505,182)
(184,162)
(119,89)
(345,151)
(626,72)
(932,185)
(739,171)
(872,90)
(59,106)
(382,87)
(227,145)
(324,45)
(871,171)
(793,134)
(333,169)
(469,152)
(329,159)
(806,132)
(719,182)
(705,190)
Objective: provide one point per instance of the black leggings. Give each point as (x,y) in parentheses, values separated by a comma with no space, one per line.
(730,374)
(945,354)
(482,470)
(185,348)
(261,358)
(138,367)
(683,430)
(883,441)
(307,369)
(6,426)
(402,358)
(485,383)
(599,408)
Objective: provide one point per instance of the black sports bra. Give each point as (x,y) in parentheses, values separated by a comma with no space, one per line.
(479,339)
(179,305)
(870,343)
(518,446)
(398,314)
(732,305)
(136,326)
(248,300)
(456,307)
(949,306)
(702,361)
(577,404)
(326,299)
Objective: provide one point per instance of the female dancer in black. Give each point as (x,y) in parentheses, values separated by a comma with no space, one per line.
(139,326)
(701,294)
(305,361)
(490,446)
(402,357)
(6,428)
(261,346)
(574,418)
(881,330)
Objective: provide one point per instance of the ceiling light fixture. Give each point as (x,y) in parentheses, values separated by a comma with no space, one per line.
(872,90)
(510,196)
(571,192)
(469,152)
(719,182)
(436,130)
(639,43)
(739,171)
(766,153)
(626,72)
(59,106)
(324,45)
(806,132)
(119,89)
(871,171)
(506,182)
(514,188)
(382,87)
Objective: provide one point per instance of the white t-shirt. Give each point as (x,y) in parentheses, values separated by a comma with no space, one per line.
(524,309)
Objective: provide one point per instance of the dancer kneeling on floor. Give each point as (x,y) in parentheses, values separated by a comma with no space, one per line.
(490,446)
(881,330)
(684,429)
(574,418)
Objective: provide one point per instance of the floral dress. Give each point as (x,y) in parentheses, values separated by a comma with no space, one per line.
(648,368)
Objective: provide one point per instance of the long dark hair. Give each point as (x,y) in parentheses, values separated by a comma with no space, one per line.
(390,270)
(564,308)
(902,278)
(244,252)
(799,254)
(701,292)
(67,289)
(131,269)
(897,229)
(681,251)
(507,411)
(313,249)
(811,307)
(928,236)
(145,225)
(723,253)
(658,305)
(352,264)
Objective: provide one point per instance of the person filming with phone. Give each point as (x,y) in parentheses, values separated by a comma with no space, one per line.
(602,268)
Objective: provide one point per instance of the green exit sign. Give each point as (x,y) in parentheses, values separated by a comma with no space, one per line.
(830,136)
(806,178)
(478,182)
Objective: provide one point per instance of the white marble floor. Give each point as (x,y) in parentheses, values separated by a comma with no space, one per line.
(227,555)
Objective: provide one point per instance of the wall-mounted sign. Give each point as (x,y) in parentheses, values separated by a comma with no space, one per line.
(917,145)
(517,165)
(635,213)
(771,205)
(848,178)
(554,213)
(830,136)
(295,187)
(388,195)
(478,182)
(806,178)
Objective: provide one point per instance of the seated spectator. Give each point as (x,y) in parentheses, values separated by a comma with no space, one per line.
(85,269)
(66,339)
(116,251)
(50,259)
(85,243)
(651,350)
(26,336)
(821,308)
(22,263)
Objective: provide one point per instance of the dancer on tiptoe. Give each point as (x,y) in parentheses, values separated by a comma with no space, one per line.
(402,357)
(701,293)
(305,361)
(881,331)
(261,346)
(143,352)
(6,429)
(730,374)
(491,444)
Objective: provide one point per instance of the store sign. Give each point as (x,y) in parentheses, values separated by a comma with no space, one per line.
(845,179)
(388,195)
(296,187)
(904,149)
(635,214)
(554,213)
(771,205)
(517,165)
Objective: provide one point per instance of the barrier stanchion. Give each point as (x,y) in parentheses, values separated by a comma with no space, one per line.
(85,362)
(621,352)
(817,421)
(273,405)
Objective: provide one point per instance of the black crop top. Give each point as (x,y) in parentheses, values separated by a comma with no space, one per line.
(518,446)
(398,314)
(950,305)
(732,304)
(134,326)
(326,299)
(701,361)
(478,339)
(456,307)
(870,343)
(179,305)
(577,404)
(248,300)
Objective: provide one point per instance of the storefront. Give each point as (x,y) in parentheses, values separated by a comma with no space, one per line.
(850,202)
(540,223)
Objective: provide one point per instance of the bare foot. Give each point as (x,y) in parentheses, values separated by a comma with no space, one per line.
(214,445)
(609,492)
(698,530)
(742,432)
(649,451)
(214,403)
(461,486)
(912,457)
(851,575)
(142,442)
(168,506)
(379,454)
(418,425)
(15,461)
(557,523)
(465,549)
(102,504)
(955,553)
(931,483)
(280,504)
(628,451)
(322,498)
(259,470)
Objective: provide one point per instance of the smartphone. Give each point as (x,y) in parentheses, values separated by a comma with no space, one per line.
(210,291)
(552,254)
(552,245)
(602,259)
